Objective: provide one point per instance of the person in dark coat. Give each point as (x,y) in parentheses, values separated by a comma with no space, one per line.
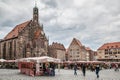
(83,69)
(75,69)
(53,69)
(97,70)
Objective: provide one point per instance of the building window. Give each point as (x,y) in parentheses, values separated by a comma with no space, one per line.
(118,52)
(107,46)
(106,56)
(110,52)
(116,46)
(111,46)
(106,49)
(77,56)
(114,52)
(106,52)
(116,56)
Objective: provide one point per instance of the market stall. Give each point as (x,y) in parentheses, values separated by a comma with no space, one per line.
(10,64)
(2,62)
(36,66)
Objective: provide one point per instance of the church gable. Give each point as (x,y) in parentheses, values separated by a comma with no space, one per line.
(39,34)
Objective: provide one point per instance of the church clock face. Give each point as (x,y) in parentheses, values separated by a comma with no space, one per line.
(35,11)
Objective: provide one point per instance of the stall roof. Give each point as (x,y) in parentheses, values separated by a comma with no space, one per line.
(11,61)
(2,60)
(40,59)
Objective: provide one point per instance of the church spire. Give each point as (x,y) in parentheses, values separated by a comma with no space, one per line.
(35,3)
(35,13)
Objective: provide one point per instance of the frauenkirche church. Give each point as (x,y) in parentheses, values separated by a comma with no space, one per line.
(25,40)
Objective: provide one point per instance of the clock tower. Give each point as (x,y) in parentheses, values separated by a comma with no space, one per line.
(35,14)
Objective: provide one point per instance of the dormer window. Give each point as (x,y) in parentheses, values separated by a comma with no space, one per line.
(111,46)
(13,35)
(116,46)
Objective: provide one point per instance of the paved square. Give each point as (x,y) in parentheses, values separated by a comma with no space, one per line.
(109,74)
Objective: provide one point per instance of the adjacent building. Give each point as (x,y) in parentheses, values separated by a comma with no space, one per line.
(109,52)
(95,56)
(90,54)
(77,52)
(57,50)
(25,40)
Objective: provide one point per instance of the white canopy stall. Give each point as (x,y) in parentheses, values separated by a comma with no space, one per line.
(39,63)
(2,60)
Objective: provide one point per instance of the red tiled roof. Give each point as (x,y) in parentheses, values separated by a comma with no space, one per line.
(110,45)
(57,46)
(18,28)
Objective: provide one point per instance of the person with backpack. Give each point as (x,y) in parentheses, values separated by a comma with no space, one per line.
(97,69)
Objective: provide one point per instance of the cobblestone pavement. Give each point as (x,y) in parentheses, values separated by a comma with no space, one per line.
(8,74)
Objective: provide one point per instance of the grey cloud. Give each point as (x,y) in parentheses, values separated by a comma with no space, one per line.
(93,22)
(96,18)
(50,3)
(7,23)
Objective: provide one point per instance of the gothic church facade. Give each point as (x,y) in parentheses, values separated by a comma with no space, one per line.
(25,40)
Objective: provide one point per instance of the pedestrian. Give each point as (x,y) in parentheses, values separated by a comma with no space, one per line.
(34,69)
(83,69)
(53,69)
(116,67)
(110,66)
(75,69)
(97,69)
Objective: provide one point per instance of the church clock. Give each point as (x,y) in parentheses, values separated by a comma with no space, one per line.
(35,12)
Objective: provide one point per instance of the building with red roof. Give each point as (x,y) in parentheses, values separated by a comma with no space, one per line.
(78,52)
(109,52)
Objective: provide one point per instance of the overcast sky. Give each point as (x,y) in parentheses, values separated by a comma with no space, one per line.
(93,22)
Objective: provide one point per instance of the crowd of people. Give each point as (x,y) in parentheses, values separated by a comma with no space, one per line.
(49,69)
(93,67)
(83,68)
